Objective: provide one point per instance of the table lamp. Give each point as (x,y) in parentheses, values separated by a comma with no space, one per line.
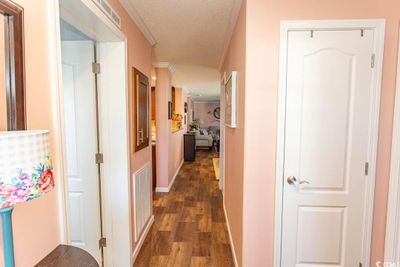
(25,174)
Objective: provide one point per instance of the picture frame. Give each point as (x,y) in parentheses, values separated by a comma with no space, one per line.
(230,97)
(185,107)
(169,110)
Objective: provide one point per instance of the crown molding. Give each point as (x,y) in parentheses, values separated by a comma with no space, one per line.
(135,16)
(165,65)
(231,27)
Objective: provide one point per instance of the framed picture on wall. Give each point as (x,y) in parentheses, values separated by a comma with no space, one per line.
(185,107)
(169,110)
(230,96)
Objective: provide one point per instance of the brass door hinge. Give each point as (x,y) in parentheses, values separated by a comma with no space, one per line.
(96,68)
(99,158)
(102,242)
(366,168)
(372,61)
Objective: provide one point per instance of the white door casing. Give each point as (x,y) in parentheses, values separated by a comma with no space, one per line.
(81,145)
(327,135)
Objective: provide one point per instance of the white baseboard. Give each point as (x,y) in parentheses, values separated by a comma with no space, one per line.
(163,189)
(142,238)
(230,238)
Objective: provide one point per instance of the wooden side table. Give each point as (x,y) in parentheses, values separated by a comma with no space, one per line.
(189,146)
(68,256)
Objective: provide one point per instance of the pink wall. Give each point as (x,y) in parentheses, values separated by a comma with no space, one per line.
(36,224)
(139,56)
(163,125)
(262,66)
(234,138)
(201,111)
(169,147)
(37,238)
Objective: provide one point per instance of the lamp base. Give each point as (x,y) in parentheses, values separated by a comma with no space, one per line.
(8,247)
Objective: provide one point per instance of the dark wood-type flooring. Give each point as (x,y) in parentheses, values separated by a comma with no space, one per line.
(189,227)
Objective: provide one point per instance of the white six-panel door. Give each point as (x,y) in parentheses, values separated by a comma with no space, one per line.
(329,85)
(81,145)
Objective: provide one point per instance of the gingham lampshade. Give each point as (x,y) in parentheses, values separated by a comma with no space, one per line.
(25,166)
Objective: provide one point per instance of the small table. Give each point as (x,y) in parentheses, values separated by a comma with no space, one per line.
(68,256)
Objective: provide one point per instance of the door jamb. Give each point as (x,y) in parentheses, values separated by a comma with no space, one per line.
(378,26)
(112,251)
(392,239)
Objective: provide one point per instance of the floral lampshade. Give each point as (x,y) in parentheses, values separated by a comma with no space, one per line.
(25,166)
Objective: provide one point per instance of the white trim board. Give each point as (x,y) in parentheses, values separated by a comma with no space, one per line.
(113,56)
(378,25)
(142,238)
(392,240)
(163,189)
(230,238)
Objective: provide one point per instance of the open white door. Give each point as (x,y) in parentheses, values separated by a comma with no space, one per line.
(81,145)
(327,144)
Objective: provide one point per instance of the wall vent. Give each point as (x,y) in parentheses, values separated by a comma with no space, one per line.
(142,199)
(109,11)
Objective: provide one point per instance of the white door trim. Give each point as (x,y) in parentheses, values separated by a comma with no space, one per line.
(392,240)
(378,26)
(117,212)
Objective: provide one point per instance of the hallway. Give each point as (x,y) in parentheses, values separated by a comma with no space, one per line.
(189,227)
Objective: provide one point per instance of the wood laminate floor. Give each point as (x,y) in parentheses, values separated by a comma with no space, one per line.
(189,227)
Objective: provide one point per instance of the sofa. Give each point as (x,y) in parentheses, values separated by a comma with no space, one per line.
(203,139)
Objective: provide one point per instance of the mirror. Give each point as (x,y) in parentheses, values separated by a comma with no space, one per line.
(12,83)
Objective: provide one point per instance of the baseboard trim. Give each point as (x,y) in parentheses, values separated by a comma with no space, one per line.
(163,189)
(142,238)
(230,238)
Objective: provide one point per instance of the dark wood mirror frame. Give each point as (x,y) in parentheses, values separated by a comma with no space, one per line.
(141,118)
(14,65)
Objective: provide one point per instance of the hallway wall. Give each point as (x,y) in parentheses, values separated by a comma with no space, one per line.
(169,147)
(262,67)
(234,138)
(42,234)
(36,226)
(201,111)
(139,56)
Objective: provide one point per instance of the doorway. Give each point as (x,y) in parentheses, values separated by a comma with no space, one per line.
(94,126)
(82,138)
(329,103)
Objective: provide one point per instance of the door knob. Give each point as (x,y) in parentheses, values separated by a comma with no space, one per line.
(292,180)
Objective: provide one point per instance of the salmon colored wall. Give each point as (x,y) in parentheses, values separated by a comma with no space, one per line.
(36,223)
(3,98)
(176,139)
(169,149)
(262,66)
(234,138)
(140,57)
(163,125)
(201,111)
(175,153)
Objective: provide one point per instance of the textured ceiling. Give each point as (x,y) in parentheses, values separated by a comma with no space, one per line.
(192,35)
(187,32)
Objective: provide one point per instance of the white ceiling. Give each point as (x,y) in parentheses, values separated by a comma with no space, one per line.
(203,84)
(190,34)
